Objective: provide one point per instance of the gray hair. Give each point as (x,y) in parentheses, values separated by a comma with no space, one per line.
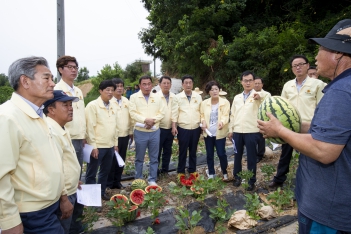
(24,66)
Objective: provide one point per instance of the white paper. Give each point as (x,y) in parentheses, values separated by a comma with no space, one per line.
(274,145)
(89,195)
(208,132)
(119,159)
(234,147)
(87,152)
(141,125)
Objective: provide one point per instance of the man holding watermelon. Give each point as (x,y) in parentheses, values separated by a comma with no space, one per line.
(304,93)
(323,179)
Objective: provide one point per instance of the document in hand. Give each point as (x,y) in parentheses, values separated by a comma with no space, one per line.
(89,195)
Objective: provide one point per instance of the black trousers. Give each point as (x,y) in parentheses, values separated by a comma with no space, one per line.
(261,147)
(250,140)
(187,139)
(116,171)
(165,148)
(284,162)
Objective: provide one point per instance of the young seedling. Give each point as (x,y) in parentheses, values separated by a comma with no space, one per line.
(88,218)
(280,198)
(245,176)
(185,221)
(219,212)
(118,213)
(252,205)
(150,231)
(154,200)
(267,170)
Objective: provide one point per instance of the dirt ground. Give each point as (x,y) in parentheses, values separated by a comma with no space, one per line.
(85,88)
(172,176)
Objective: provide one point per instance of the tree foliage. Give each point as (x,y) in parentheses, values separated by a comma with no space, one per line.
(83,74)
(221,39)
(133,71)
(106,73)
(4,81)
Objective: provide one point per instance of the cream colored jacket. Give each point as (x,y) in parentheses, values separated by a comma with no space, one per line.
(187,114)
(31,171)
(102,129)
(124,121)
(77,127)
(223,115)
(243,117)
(307,99)
(166,121)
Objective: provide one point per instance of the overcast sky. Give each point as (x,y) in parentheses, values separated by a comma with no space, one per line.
(97,32)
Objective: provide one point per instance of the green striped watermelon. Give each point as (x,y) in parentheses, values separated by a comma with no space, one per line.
(285,112)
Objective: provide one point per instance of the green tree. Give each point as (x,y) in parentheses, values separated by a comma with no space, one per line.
(4,81)
(83,74)
(133,71)
(5,93)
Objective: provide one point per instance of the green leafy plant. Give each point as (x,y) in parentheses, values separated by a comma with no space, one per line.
(219,212)
(88,218)
(150,231)
(180,193)
(129,168)
(252,205)
(280,198)
(186,221)
(154,200)
(267,170)
(245,176)
(118,213)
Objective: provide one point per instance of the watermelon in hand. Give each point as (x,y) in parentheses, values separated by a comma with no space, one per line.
(284,111)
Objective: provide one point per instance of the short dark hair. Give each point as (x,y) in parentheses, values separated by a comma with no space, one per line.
(298,56)
(259,78)
(246,73)
(165,77)
(187,77)
(145,78)
(64,60)
(106,83)
(46,111)
(312,67)
(117,81)
(210,84)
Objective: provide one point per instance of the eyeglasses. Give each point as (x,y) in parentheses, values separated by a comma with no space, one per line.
(72,67)
(299,65)
(248,81)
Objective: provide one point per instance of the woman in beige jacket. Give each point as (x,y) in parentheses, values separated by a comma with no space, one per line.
(214,119)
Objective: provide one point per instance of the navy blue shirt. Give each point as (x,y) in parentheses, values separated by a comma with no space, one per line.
(323,192)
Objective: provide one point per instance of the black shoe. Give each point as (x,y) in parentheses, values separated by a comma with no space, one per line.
(237,183)
(105,197)
(259,160)
(275,185)
(98,209)
(118,185)
(251,187)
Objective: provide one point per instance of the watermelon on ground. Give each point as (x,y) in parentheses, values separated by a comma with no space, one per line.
(284,111)
(137,196)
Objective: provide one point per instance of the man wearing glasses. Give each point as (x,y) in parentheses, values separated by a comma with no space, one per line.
(304,93)
(243,127)
(67,66)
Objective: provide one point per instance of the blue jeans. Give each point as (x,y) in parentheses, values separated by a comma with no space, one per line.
(250,140)
(42,221)
(151,141)
(166,141)
(104,161)
(211,143)
(66,223)
(187,139)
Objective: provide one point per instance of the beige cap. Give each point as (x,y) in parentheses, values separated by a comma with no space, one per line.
(197,90)
(222,93)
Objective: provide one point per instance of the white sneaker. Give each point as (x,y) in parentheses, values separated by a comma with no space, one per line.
(207,173)
(152,183)
(210,176)
(225,177)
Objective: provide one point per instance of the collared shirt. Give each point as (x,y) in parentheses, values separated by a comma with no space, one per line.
(77,127)
(246,95)
(31,171)
(243,117)
(107,105)
(102,129)
(140,109)
(71,89)
(71,165)
(187,114)
(124,121)
(307,99)
(166,121)
(299,86)
(38,110)
(223,115)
